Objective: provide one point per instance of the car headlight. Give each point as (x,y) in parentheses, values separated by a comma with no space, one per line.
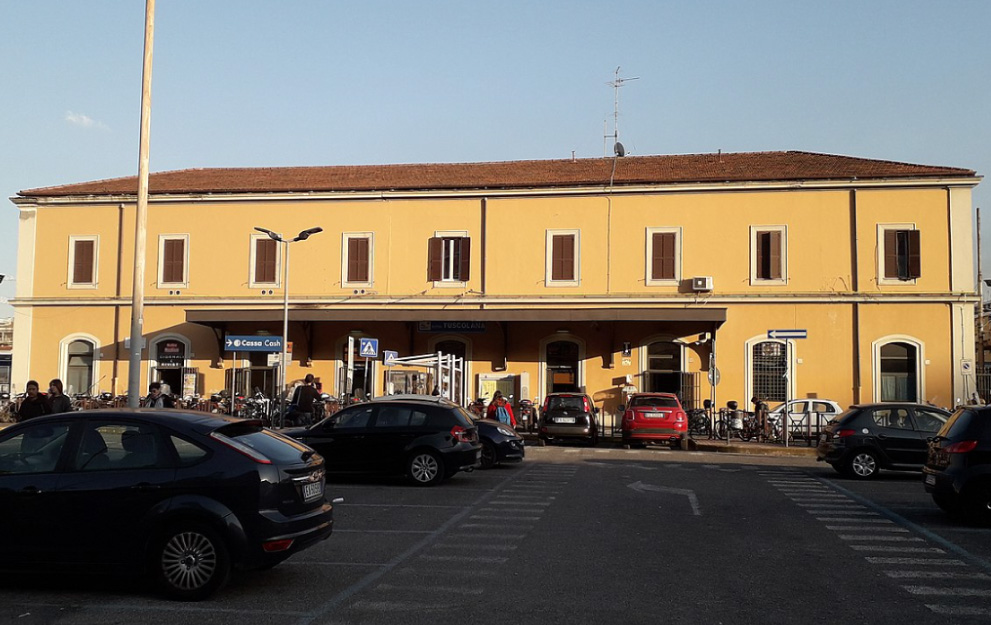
(506,431)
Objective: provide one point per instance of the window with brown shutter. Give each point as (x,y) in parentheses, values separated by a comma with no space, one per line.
(84,253)
(769,257)
(663,256)
(173,261)
(266,252)
(902,255)
(449,259)
(358,259)
(563,257)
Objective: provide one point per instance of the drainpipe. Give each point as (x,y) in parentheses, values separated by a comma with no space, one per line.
(855,286)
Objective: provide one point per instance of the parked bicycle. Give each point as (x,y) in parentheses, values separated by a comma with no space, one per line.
(699,423)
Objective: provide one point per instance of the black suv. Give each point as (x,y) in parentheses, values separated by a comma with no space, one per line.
(424,437)
(184,496)
(958,469)
(568,416)
(870,437)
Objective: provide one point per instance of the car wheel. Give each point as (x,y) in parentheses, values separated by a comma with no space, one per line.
(488,456)
(424,468)
(675,443)
(948,503)
(977,502)
(594,440)
(191,562)
(862,465)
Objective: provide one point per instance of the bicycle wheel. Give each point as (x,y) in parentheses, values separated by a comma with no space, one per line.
(702,427)
(719,430)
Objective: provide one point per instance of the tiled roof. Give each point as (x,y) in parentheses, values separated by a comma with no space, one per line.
(629,170)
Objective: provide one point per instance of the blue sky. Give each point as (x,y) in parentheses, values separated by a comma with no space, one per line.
(265,83)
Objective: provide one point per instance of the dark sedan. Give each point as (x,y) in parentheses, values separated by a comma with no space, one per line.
(428,439)
(867,438)
(185,496)
(500,443)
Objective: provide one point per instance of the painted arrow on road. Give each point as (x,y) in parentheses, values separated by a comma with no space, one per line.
(692,499)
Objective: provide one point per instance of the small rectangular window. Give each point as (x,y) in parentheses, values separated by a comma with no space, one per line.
(358,249)
(562,258)
(83,265)
(768,254)
(266,260)
(902,254)
(173,261)
(663,256)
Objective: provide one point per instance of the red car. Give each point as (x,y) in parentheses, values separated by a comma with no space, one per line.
(654,417)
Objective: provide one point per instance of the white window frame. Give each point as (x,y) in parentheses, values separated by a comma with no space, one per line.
(754,279)
(162,238)
(446,260)
(648,265)
(345,238)
(72,262)
(63,363)
(251,264)
(549,257)
(881,279)
(920,362)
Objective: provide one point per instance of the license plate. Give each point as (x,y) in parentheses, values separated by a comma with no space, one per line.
(654,415)
(931,480)
(313,490)
(564,420)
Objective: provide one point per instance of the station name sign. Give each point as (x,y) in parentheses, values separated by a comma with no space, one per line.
(252,343)
(451,326)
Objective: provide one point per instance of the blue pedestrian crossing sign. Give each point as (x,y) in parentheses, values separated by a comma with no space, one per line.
(368,348)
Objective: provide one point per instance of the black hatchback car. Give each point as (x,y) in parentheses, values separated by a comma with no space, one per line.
(958,468)
(428,439)
(867,438)
(500,443)
(568,416)
(184,496)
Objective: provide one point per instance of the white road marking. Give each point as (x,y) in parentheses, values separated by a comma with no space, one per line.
(830,519)
(954,610)
(889,539)
(485,559)
(519,503)
(886,548)
(948,592)
(500,526)
(491,547)
(505,517)
(865,528)
(936,575)
(819,510)
(457,590)
(916,561)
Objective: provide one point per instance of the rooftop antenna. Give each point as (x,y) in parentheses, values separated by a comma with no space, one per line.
(616,83)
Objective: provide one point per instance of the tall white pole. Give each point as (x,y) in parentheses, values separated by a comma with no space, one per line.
(283,365)
(141,217)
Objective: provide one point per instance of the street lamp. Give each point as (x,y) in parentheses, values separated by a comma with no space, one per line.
(302,236)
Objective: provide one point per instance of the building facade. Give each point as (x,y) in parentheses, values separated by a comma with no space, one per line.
(659,273)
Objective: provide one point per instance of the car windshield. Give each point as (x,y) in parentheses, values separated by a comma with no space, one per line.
(566,402)
(646,401)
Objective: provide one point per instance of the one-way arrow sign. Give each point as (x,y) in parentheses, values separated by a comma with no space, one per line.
(692,499)
(787,334)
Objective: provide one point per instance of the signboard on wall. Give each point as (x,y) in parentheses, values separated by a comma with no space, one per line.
(451,326)
(171,354)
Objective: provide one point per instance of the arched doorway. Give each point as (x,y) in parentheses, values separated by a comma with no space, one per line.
(79,367)
(769,371)
(898,372)
(662,369)
(170,358)
(562,360)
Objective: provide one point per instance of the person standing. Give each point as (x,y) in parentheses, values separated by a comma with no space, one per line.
(304,400)
(35,403)
(500,410)
(157,399)
(59,400)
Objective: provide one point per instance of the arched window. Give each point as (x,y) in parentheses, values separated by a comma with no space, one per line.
(898,371)
(770,371)
(79,367)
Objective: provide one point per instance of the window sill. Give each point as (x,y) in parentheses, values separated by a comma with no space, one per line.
(760,282)
(82,285)
(449,284)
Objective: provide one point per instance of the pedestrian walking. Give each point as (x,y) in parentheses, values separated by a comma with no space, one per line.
(59,400)
(35,403)
(156,398)
(500,410)
(304,399)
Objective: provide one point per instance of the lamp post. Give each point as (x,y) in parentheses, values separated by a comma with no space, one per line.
(302,236)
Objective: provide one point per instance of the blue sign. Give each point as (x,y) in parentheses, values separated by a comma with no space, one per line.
(369,348)
(252,343)
(451,326)
(389,357)
(787,334)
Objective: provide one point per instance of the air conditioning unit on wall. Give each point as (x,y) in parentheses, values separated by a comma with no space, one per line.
(702,283)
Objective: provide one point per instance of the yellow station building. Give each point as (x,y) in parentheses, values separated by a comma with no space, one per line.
(659,273)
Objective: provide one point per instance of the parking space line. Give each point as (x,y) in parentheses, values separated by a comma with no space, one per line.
(338,531)
(948,592)
(886,548)
(880,538)
(457,590)
(519,503)
(399,505)
(916,561)
(491,547)
(851,520)
(487,536)
(480,559)
(865,528)
(936,575)
(959,610)
(505,517)
(501,526)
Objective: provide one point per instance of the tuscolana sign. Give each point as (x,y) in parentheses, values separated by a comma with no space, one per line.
(451,326)
(250,343)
